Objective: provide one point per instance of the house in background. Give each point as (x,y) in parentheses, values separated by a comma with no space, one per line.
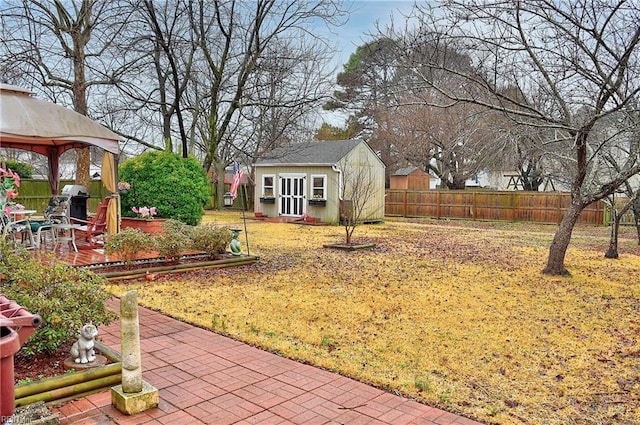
(409,178)
(315,179)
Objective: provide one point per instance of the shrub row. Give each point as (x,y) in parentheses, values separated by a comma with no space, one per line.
(175,238)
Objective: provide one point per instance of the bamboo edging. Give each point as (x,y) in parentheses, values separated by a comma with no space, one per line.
(176,268)
(73,390)
(73,385)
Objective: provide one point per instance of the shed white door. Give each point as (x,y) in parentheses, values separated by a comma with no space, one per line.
(292,195)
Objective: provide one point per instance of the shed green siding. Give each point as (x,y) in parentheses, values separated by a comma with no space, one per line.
(339,183)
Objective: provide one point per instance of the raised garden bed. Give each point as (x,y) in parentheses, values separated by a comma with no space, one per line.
(145,267)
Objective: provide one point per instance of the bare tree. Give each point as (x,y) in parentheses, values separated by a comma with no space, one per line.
(235,38)
(161,40)
(289,84)
(360,184)
(578,60)
(454,144)
(617,214)
(62,47)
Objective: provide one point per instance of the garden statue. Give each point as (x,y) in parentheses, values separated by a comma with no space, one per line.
(133,395)
(235,243)
(82,350)
(130,334)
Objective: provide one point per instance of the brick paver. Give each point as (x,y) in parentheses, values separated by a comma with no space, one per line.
(205,378)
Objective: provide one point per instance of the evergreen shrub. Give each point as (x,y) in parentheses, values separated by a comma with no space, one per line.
(24,170)
(178,187)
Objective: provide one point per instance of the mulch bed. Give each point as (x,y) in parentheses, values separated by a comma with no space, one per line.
(41,366)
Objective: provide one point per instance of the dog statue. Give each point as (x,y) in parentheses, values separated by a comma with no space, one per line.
(82,350)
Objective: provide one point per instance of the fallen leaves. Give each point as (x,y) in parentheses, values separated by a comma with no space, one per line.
(453,315)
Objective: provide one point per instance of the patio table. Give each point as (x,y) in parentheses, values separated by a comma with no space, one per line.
(13,214)
(65,233)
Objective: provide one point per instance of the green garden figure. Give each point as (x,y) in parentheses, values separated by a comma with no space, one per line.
(235,243)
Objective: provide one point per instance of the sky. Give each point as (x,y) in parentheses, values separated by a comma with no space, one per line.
(362,20)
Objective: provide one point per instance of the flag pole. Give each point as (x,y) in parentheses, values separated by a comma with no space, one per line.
(237,181)
(244,219)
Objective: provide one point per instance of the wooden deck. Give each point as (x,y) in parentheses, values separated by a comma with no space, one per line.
(145,263)
(85,256)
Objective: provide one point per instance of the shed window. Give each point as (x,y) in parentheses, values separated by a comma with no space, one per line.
(267,186)
(319,187)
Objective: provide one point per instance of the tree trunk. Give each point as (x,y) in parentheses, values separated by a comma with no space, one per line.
(561,239)
(79,91)
(349,228)
(83,166)
(532,185)
(458,183)
(636,216)
(612,251)
(220,172)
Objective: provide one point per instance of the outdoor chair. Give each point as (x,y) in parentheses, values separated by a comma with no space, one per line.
(13,229)
(56,212)
(94,228)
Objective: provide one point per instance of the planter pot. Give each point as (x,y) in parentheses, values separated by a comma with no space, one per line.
(267,200)
(148,226)
(318,202)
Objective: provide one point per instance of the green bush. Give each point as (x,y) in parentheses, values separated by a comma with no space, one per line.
(211,239)
(174,238)
(64,296)
(24,170)
(178,187)
(127,243)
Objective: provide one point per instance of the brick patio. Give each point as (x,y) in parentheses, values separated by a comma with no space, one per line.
(206,378)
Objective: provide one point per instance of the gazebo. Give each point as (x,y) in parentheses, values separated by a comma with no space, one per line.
(35,125)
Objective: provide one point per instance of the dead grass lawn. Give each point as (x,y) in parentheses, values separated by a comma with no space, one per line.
(456,315)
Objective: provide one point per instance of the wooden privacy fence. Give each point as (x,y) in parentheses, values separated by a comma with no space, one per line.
(35,194)
(537,207)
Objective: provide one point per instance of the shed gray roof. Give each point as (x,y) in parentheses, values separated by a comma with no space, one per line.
(316,153)
(405,171)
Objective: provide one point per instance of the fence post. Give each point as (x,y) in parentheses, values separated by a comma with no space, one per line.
(474,205)
(404,203)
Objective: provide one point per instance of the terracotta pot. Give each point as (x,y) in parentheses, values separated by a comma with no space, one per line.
(148,226)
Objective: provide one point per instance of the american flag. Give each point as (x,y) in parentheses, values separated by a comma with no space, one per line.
(237,177)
